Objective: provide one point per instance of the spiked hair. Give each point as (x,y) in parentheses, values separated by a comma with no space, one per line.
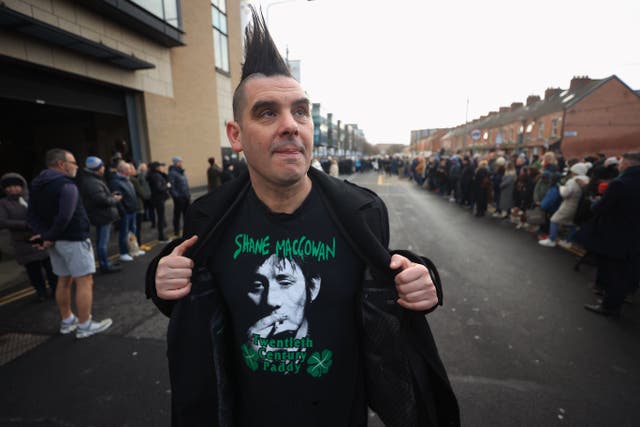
(261,57)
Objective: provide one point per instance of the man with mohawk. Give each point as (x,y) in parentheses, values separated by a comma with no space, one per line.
(254,340)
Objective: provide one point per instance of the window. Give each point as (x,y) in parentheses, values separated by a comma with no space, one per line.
(167,10)
(220,34)
(554,127)
(530,127)
(541,130)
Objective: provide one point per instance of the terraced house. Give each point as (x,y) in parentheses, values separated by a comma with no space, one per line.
(591,116)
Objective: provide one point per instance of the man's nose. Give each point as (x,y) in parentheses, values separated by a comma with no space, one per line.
(289,125)
(274,296)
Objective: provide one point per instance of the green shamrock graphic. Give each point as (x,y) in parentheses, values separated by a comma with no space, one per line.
(319,365)
(250,357)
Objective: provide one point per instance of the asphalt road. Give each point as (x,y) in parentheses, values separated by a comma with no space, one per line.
(519,348)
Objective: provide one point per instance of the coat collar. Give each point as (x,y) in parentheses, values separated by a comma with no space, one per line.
(348,206)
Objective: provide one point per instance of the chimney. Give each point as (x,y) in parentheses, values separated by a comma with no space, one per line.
(503,110)
(551,92)
(532,99)
(516,105)
(578,82)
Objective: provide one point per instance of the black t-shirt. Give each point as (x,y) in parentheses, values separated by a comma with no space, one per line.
(290,282)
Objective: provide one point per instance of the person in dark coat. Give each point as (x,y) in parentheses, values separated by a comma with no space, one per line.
(143,194)
(214,175)
(56,213)
(481,188)
(101,208)
(13,217)
(159,185)
(466,181)
(223,360)
(179,191)
(615,237)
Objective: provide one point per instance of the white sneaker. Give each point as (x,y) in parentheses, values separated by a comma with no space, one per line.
(68,327)
(139,253)
(93,328)
(565,244)
(126,257)
(548,243)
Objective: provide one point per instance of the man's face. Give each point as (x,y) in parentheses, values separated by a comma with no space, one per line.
(13,190)
(69,165)
(275,131)
(279,289)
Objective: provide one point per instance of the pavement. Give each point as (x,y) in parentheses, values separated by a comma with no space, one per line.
(117,378)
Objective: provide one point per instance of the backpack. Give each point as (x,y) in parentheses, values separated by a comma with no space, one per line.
(583,212)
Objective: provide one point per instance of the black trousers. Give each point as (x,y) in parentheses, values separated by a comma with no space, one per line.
(618,277)
(180,205)
(139,218)
(158,206)
(37,270)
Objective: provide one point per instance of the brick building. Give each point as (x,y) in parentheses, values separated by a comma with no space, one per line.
(590,117)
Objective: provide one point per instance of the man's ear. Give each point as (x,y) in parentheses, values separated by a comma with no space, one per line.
(314,287)
(233,133)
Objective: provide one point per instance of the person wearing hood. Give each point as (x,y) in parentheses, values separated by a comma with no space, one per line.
(56,213)
(13,217)
(571,193)
(101,208)
(179,192)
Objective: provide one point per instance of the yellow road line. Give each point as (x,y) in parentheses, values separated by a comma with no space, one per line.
(380,179)
(22,293)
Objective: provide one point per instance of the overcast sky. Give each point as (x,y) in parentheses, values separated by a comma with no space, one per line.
(414,64)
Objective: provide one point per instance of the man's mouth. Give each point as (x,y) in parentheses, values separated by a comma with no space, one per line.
(287,148)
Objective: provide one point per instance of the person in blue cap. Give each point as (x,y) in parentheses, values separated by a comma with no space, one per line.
(101,208)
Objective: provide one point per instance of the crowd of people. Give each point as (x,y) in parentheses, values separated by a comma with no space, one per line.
(50,220)
(554,198)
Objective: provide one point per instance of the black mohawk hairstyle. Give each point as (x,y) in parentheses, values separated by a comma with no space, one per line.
(260,52)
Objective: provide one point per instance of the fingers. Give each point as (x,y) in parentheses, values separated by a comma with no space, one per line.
(174,293)
(399,262)
(173,275)
(415,288)
(269,321)
(182,247)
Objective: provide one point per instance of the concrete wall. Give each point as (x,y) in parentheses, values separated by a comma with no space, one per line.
(190,124)
(72,17)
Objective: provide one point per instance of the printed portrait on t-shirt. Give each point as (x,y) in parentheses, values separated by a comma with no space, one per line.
(281,292)
(279,337)
(291,284)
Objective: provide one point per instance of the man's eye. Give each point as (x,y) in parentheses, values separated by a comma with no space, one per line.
(267,113)
(301,112)
(256,286)
(285,283)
